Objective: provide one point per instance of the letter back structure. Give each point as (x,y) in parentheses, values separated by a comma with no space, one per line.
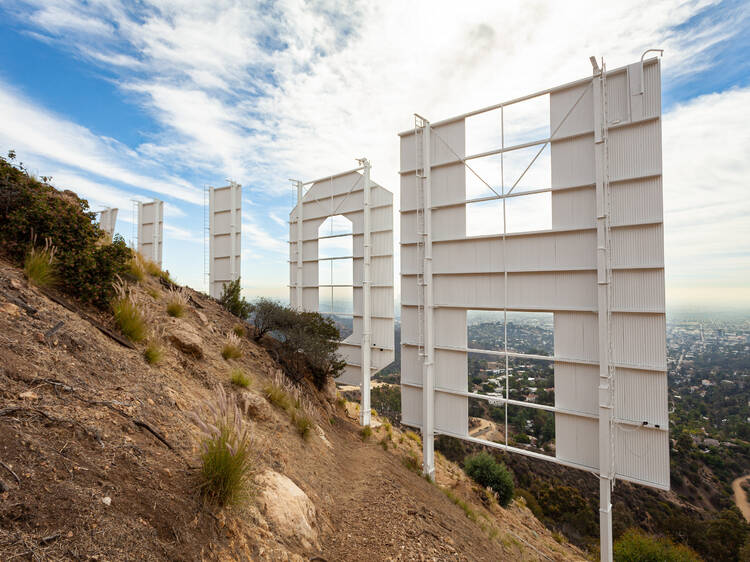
(224,236)
(107,221)
(150,229)
(599,270)
(368,208)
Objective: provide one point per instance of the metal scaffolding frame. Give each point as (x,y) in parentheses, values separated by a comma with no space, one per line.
(345,190)
(419,259)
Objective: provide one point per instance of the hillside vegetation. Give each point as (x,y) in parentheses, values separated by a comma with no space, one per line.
(119,409)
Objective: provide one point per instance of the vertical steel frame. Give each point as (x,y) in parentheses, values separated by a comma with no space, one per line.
(604,276)
(368,206)
(364,387)
(428,367)
(599,269)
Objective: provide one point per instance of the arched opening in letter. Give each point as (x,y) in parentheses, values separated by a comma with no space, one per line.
(336,272)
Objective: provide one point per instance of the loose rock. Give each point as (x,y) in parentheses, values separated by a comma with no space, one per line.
(184,337)
(288,509)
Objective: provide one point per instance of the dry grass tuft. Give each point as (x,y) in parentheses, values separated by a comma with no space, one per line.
(153,353)
(39,266)
(176,303)
(287,397)
(239,330)
(129,316)
(239,378)
(231,349)
(136,268)
(227,457)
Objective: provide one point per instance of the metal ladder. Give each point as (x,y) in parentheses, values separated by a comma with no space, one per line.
(421,234)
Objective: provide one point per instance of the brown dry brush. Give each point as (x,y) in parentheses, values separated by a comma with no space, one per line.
(228,458)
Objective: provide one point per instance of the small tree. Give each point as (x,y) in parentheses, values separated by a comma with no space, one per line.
(232,300)
(269,315)
(488,472)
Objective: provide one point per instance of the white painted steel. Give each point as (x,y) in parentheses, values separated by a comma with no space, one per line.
(369,208)
(599,269)
(224,236)
(107,221)
(150,230)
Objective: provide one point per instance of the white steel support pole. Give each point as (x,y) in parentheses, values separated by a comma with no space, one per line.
(158,220)
(606,461)
(233,188)
(298,245)
(139,218)
(364,410)
(428,370)
(211,228)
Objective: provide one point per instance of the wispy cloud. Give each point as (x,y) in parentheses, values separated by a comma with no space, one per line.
(261,92)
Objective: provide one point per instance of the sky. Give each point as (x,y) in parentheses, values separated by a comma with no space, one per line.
(134,100)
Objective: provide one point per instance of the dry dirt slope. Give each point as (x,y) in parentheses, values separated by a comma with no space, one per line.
(99,458)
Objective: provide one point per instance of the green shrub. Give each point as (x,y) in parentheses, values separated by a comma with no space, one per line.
(231,349)
(176,303)
(129,317)
(365,432)
(85,264)
(636,546)
(227,466)
(153,353)
(39,265)
(486,471)
(307,343)
(232,300)
(239,378)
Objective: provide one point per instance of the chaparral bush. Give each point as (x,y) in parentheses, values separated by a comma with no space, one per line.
(86,264)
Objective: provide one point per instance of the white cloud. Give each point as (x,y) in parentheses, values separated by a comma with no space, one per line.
(706,171)
(37,133)
(261,93)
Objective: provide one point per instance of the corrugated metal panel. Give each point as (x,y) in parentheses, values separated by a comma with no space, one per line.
(573,161)
(451,413)
(448,185)
(638,246)
(574,208)
(581,118)
(642,455)
(577,440)
(576,335)
(639,340)
(411,406)
(641,396)
(225,213)
(450,327)
(448,366)
(635,151)
(638,290)
(411,365)
(576,387)
(637,201)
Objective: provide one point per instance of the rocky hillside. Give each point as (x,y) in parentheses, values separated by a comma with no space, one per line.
(99,458)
